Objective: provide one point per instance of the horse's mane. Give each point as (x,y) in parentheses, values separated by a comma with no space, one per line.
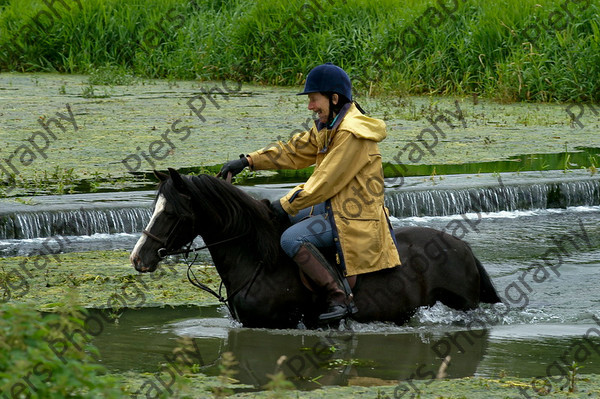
(233,211)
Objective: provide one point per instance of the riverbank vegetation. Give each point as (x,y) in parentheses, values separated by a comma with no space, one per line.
(511,50)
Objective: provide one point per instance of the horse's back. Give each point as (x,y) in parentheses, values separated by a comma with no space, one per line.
(441,248)
(435,267)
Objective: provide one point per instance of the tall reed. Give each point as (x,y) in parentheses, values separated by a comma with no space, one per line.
(508,49)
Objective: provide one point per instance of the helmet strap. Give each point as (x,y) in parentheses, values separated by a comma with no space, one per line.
(331,116)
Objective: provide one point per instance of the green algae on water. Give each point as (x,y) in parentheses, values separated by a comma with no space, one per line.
(151,125)
(100,278)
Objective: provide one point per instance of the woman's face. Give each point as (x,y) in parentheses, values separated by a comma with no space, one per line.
(319,104)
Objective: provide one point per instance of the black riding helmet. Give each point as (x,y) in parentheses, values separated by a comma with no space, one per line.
(328,79)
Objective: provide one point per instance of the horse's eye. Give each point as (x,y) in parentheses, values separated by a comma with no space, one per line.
(168,213)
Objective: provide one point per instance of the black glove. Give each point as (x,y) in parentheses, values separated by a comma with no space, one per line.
(234,167)
(280,214)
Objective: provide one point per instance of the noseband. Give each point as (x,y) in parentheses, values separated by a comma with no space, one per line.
(163,252)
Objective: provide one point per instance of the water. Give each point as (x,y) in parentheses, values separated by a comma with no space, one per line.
(143,339)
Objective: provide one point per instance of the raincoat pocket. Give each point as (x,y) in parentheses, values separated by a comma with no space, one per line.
(361,241)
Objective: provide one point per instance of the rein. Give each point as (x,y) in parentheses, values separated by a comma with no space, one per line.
(163,252)
(218,295)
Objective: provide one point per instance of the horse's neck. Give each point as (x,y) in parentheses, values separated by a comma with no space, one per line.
(228,248)
(237,253)
(235,262)
(238,260)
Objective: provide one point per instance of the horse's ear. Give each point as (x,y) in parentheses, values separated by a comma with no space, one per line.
(178,181)
(160,175)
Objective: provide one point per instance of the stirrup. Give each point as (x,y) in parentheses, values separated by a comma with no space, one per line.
(334,313)
(352,309)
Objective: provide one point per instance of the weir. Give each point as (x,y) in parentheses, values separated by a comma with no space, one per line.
(493,199)
(111,213)
(75,215)
(82,222)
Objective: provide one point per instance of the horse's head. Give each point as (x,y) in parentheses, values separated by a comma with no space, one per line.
(171,225)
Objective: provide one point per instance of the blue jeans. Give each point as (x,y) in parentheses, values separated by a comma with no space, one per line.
(309,225)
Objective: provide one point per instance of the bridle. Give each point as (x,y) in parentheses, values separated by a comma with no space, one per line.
(163,252)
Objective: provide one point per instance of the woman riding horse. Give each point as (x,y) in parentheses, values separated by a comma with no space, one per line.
(341,205)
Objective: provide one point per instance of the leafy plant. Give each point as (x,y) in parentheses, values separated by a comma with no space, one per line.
(45,356)
(572,372)
(278,381)
(111,75)
(593,165)
(89,91)
(567,160)
(226,373)
(475,48)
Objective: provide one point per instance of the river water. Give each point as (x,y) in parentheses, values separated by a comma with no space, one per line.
(537,235)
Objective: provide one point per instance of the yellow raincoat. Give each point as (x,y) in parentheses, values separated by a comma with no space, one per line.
(348,175)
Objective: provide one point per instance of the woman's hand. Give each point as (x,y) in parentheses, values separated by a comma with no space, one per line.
(234,167)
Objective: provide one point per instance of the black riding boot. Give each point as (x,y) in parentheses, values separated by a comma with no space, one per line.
(320,272)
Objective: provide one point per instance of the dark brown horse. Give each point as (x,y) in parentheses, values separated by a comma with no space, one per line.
(263,284)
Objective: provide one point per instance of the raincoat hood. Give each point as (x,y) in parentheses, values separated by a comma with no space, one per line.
(364,127)
(359,124)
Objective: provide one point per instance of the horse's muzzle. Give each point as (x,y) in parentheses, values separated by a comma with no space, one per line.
(137,263)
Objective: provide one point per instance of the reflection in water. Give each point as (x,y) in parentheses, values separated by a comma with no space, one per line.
(369,354)
(335,358)
(142,337)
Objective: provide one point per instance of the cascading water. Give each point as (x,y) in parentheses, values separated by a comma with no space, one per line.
(93,214)
(73,223)
(441,202)
(85,221)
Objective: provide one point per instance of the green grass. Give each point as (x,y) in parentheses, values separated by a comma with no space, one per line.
(502,49)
